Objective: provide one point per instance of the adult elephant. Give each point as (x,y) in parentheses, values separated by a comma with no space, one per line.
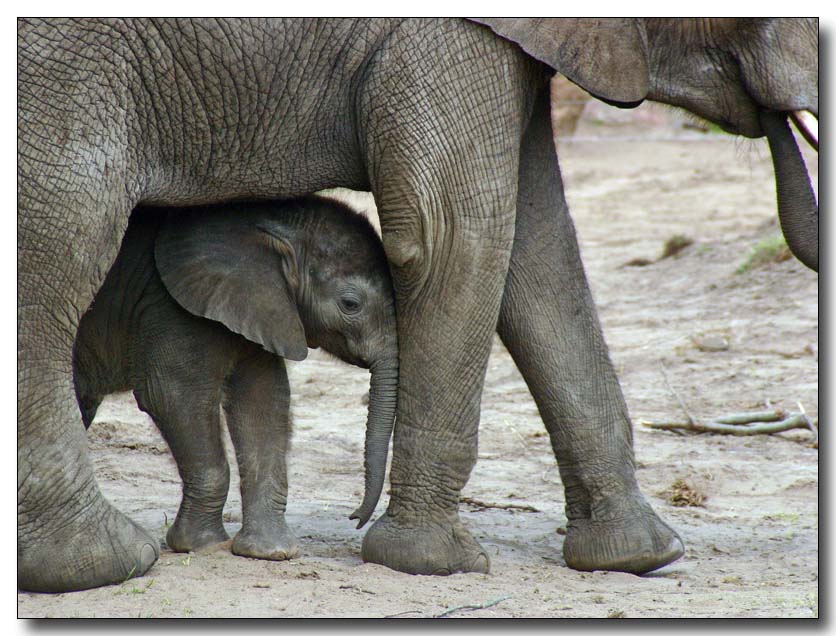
(447,123)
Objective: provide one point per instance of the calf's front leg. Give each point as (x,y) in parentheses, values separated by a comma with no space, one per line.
(257,407)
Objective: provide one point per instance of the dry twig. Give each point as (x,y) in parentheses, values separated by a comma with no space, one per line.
(764,423)
(748,418)
(483,505)
(470,608)
(676,395)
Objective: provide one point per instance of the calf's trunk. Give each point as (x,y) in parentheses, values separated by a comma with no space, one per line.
(383,402)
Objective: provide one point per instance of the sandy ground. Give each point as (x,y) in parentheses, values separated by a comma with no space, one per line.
(633,180)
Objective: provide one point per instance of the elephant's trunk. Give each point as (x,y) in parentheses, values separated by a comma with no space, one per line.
(383,402)
(797,206)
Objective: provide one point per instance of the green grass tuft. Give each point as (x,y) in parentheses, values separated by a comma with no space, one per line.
(770,250)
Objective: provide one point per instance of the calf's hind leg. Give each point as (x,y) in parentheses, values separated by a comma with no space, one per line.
(188,417)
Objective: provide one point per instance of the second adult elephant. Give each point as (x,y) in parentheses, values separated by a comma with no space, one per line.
(447,123)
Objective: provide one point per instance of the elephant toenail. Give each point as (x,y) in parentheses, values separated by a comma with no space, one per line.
(676,548)
(147,555)
(481,564)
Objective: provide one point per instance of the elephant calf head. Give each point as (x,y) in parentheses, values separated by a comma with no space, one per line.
(308,273)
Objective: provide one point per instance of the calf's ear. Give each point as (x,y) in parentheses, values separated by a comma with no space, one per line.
(235,272)
(604,56)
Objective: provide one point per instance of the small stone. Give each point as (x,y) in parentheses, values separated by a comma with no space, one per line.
(711,343)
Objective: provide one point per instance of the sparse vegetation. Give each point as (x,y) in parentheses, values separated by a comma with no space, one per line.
(769,250)
(675,244)
(787,517)
(812,603)
(682,494)
(124,588)
(639,262)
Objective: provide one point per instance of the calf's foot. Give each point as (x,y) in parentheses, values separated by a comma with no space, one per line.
(274,542)
(191,532)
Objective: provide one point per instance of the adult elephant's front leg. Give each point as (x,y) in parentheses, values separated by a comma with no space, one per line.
(549,324)
(449,257)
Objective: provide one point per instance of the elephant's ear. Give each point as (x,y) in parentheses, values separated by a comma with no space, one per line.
(604,56)
(233,271)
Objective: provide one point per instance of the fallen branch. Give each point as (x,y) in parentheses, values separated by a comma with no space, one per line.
(483,505)
(676,395)
(743,424)
(813,426)
(402,613)
(748,418)
(470,608)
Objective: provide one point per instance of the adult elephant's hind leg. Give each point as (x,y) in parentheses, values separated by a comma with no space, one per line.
(69,536)
(550,326)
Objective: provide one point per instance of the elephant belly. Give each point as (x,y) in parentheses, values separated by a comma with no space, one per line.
(275,116)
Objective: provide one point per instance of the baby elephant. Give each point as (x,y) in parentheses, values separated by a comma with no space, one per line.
(198,312)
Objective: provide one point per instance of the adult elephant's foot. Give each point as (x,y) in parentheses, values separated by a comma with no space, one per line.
(426,549)
(273,541)
(191,532)
(636,541)
(98,546)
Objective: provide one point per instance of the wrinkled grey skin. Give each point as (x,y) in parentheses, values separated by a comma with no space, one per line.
(447,123)
(285,276)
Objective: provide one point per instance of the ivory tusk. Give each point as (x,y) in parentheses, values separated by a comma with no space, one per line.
(807,125)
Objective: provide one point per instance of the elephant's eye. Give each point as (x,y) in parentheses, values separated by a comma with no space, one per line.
(349,304)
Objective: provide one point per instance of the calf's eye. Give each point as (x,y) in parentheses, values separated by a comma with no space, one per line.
(349,304)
